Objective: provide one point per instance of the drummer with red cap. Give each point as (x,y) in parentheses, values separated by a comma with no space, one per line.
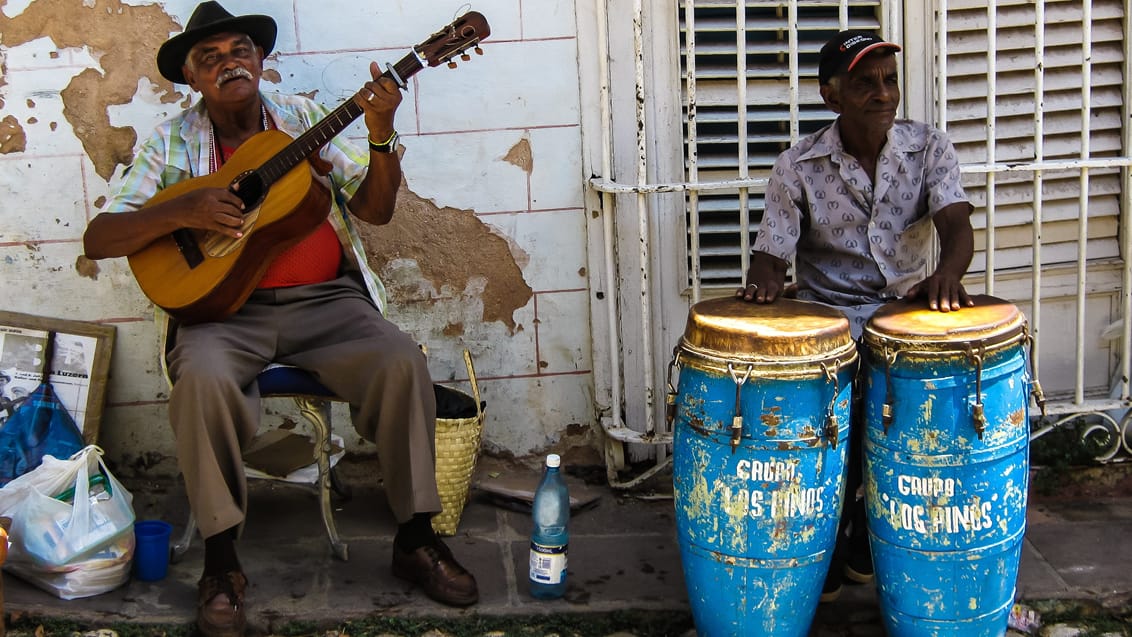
(856,205)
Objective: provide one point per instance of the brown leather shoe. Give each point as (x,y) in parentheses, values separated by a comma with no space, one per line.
(436,571)
(220,605)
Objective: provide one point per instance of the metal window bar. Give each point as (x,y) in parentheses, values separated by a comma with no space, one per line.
(1039,182)
(1110,436)
(691,152)
(1083,219)
(741,113)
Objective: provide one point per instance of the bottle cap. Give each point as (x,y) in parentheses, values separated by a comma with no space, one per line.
(553,460)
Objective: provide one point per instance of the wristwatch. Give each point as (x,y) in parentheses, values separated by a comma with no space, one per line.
(387,146)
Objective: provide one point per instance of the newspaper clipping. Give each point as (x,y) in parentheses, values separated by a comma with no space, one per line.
(22,352)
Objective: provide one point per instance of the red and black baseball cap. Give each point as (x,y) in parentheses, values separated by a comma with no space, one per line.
(845,49)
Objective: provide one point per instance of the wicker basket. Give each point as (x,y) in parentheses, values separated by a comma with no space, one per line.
(457,448)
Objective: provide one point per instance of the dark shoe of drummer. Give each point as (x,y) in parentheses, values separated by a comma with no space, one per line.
(858,554)
(859,566)
(831,589)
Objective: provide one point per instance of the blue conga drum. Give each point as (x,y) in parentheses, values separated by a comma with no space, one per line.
(761,418)
(946,464)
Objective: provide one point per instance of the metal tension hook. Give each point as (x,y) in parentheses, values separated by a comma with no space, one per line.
(670,395)
(737,420)
(831,425)
(978,414)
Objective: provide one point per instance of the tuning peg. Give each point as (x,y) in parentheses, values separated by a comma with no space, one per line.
(465,57)
(479,51)
(451,64)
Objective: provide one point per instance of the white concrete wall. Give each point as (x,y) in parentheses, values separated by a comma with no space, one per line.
(494,144)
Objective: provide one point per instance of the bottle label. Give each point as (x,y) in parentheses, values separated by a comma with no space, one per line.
(548,563)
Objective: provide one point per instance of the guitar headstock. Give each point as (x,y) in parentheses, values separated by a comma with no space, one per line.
(454,39)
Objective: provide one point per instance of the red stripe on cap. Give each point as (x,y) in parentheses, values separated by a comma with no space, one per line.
(869,49)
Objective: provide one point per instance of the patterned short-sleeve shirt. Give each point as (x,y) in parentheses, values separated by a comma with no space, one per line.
(857,242)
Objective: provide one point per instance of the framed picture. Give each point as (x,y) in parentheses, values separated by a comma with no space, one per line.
(79,369)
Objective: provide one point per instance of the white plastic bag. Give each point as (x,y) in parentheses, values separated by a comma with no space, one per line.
(104,571)
(72,526)
(55,475)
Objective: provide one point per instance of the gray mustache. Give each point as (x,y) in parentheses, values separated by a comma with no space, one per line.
(232,74)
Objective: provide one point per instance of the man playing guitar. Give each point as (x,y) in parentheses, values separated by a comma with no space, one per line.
(316,305)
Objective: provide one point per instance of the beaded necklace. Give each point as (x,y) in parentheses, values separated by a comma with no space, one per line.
(215,157)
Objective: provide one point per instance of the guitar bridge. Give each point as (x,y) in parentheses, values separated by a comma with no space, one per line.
(187,245)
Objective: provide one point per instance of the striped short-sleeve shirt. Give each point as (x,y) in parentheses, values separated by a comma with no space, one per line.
(179,149)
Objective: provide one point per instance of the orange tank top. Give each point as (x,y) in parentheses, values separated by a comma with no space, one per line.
(315,259)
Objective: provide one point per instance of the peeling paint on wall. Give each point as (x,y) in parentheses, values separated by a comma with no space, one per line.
(459,277)
(450,247)
(13,139)
(520,155)
(104,27)
(87,268)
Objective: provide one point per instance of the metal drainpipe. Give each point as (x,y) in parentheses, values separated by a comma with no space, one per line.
(617,429)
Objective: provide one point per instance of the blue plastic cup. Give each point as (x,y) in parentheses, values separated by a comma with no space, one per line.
(151,553)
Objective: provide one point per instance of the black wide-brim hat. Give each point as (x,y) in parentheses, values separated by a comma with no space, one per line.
(207,20)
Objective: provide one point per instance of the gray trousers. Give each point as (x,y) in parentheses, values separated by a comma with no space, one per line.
(335,332)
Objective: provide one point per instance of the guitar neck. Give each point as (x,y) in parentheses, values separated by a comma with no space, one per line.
(318,135)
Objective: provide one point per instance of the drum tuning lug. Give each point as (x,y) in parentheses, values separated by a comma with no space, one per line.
(670,395)
(980,420)
(831,430)
(886,416)
(1039,396)
(736,432)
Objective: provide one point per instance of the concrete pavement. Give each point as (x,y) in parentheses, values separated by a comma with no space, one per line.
(623,555)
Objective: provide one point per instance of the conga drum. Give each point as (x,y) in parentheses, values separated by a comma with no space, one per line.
(946,464)
(761,418)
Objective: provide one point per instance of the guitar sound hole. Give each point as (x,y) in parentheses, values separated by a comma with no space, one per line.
(250,189)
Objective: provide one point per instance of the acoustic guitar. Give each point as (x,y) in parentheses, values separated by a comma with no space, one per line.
(201,276)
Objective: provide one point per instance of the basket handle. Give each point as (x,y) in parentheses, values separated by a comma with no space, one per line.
(475,385)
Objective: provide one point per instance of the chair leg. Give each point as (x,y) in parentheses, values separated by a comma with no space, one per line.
(182,546)
(318,413)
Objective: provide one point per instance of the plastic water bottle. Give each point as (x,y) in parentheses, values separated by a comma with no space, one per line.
(550,537)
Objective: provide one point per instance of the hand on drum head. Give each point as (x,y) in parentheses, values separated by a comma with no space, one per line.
(765,280)
(944,293)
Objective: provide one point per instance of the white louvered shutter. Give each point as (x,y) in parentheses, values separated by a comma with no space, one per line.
(773,120)
(1015,124)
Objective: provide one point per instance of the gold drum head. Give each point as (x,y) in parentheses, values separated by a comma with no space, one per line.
(783,334)
(910,325)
